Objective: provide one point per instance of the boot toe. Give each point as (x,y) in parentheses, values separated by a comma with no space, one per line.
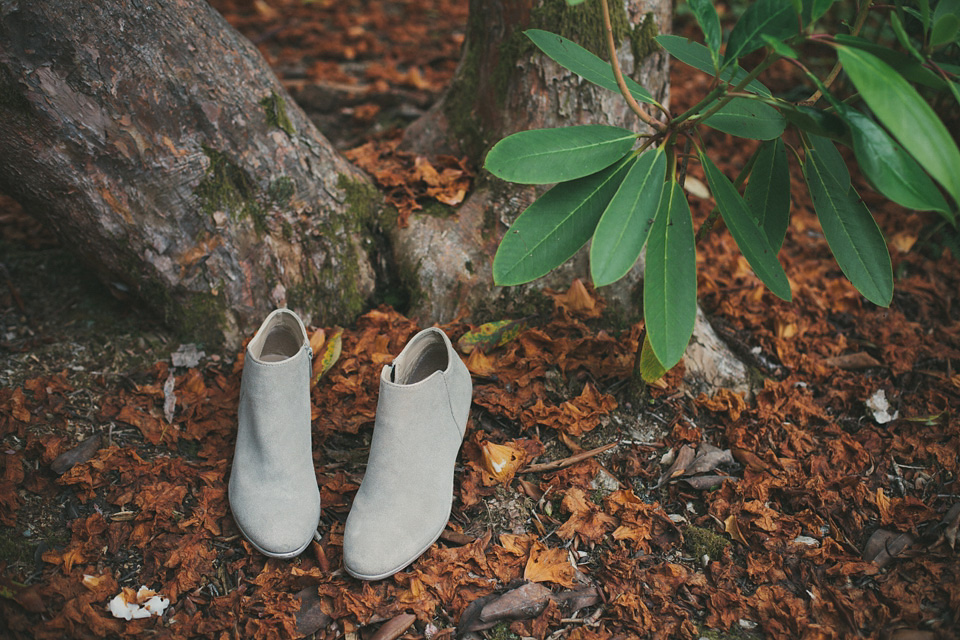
(278,527)
(374,548)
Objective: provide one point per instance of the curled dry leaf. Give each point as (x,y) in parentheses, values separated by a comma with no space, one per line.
(885,545)
(578,301)
(709,481)
(522,603)
(480,364)
(689,463)
(573,601)
(78,455)
(951,524)
(502,460)
(310,617)
(732,527)
(853,361)
(752,460)
(394,627)
(317,339)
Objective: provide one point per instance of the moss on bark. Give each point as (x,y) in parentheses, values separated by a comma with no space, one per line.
(227,187)
(276,110)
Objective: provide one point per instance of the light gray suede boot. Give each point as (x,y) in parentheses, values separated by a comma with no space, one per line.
(273,486)
(404,501)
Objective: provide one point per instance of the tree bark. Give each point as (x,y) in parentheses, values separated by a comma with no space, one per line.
(504,85)
(158,144)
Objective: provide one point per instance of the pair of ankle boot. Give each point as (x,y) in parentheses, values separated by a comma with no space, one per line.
(404,501)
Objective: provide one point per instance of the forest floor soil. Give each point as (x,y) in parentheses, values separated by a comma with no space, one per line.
(825,504)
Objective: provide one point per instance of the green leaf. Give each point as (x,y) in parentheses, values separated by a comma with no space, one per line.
(925,15)
(780,47)
(816,121)
(555,226)
(902,110)
(573,3)
(768,192)
(772,17)
(751,239)
(946,8)
(748,119)
(890,169)
(955,90)
(698,56)
(544,156)
(625,224)
(709,22)
(650,368)
(818,8)
(945,30)
(907,66)
(573,57)
(832,161)
(851,232)
(670,278)
(902,36)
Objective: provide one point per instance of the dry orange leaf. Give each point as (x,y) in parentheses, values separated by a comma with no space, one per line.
(578,300)
(549,565)
(732,528)
(480,364)
(502,460)
(317,339)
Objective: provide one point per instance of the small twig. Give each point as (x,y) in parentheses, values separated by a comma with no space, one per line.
(615,63)
(566,462)
(857,26)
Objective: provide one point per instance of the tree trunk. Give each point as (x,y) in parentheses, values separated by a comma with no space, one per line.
(158,144)
(504,85)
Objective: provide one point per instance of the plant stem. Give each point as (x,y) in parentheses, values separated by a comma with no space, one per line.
(611,45)
(692,111)
(738,89)
(857,26)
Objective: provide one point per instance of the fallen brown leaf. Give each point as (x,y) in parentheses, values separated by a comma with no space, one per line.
(526,601)
(853,361)
(549,565)
(885,545)
(394,627)
(79,454)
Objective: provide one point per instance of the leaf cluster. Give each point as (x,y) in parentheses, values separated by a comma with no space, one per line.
(622,191)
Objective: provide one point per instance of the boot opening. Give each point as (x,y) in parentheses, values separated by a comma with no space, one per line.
(281,343)
(281,339)
(427,356)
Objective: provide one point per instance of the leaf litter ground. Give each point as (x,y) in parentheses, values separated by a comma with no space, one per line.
(580,510)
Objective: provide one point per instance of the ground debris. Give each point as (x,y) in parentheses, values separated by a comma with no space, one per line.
(791,512)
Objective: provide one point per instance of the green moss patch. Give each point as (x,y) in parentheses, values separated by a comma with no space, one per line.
(276,109)
(642,40)
(703,542)
(226,187)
